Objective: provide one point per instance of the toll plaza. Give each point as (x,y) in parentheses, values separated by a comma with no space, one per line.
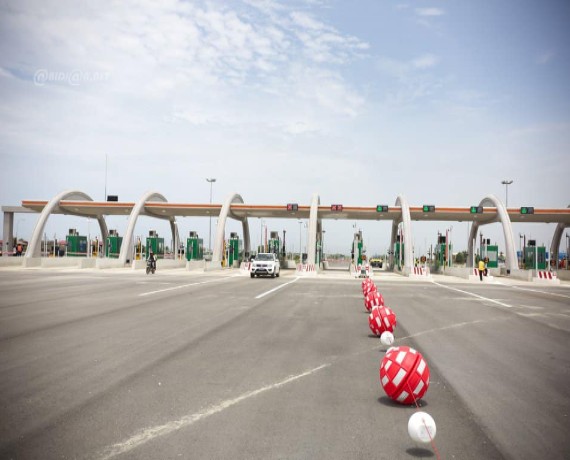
(153,204)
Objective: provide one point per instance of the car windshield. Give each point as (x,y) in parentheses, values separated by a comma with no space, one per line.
(264,257)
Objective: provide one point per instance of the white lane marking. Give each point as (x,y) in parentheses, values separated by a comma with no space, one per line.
(181,286)
(148,434)
(475,295)
(275,289)
(530,307)
(451,326)
(542,292)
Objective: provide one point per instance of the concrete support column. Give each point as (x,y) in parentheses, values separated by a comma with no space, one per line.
(313,222)
(8,232)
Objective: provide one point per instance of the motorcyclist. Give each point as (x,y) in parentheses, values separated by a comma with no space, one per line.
(151,260)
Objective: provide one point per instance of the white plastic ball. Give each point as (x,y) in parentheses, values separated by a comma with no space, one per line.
(387,338)
(421,427)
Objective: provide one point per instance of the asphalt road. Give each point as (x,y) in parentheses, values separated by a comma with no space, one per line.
(118,364)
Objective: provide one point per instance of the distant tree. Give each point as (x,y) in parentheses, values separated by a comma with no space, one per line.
(461,257)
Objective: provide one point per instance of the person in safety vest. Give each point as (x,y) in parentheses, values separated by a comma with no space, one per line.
(481,268)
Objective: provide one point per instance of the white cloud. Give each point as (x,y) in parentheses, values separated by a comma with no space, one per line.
(429,11)
(401,69)
(306,21)
(5,73)
(426,61)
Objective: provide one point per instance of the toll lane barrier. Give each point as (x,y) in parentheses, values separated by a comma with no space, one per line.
(361,271)
(475,276)
(306,270)
(544,276)
(245,268)
(420,273)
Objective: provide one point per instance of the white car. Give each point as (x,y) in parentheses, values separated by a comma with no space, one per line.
(265,263)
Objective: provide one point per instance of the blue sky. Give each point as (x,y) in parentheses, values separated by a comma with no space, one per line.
(357,101)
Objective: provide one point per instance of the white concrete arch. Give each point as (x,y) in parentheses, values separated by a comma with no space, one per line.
(34,248)
(314,227)
(127,246)
(221,227)
(556,239)
(503,216)
(408,243)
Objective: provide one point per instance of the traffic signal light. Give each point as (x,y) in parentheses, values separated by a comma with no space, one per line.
(527,210)
(292,207)
(382,208)
(336,207)
(476,210)
(429,208)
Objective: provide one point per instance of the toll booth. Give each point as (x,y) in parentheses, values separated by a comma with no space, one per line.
(490,253)
(113,245)
(441,257)
(534,256)
(274,243)
(399,253)
(234,248)
(358,250)
(194,247)
(155,244)
(76,244)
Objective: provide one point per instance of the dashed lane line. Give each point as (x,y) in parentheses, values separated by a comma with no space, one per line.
(182,286)
(487,299)
(276,288)
(153,432)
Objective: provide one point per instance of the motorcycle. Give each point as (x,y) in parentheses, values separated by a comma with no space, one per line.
(150,266)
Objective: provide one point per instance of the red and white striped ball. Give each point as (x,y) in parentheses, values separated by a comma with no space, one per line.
(367,285)
(365,282)
(381,319)
(370,288)
(404,374)
(373,299)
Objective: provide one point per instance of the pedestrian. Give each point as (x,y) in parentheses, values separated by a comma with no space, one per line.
(481,269)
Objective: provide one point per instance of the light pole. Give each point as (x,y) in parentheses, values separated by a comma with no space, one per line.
(261,247)
(567,251)
(17,228)
(506,183)
(176,240)
(521,236)
(211,181)
(300,243)
(323,245)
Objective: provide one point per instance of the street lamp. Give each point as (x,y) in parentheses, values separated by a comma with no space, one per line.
(300,243)
(211,181)
(506,183)
(567,251)
(521,236)
(176,240)
(17,227)
(261,246)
